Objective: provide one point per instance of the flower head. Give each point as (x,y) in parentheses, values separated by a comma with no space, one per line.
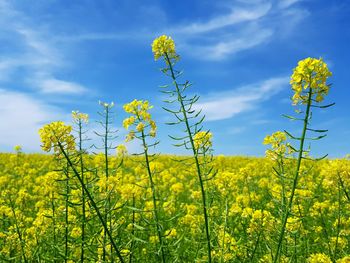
(202,139)
(279,147)
(162,46)
(319,258)
(140,119)
(54,134)
(79,117)
(310,73)
(121,150)
(18,148)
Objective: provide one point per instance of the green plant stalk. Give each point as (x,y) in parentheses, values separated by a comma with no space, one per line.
(225,225)
(107,205)
(295,180)
(66,217)
(54,227)
(281,170)
(21,241)
(155,209)
(195,155)
(82,193)
(133,229)
(338,222)
(93,203)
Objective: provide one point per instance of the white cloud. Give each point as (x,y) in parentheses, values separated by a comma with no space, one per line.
(224,105)
(22,116)
(35,54)
(53,85)
(236,15)
(287,3)
(233,45)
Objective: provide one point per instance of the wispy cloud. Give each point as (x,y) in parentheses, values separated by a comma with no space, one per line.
(22,116)
(232,45)
(224,105)
(244,27)
(235,16)
(34,54)
(52,85)
(287,3)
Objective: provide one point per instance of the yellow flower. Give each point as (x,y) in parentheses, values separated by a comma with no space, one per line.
(163,46)
(344,260)
(171,233)
(279,147)
(18,148)
(54,134)
(310,73)
(76,232)
(140,118)
(202,139)
(121,150)
(80,117)
(319,258)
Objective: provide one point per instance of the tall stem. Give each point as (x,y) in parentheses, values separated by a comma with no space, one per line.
(296,177)
(21,241)
(82,193)
(107,206)
(93,203)
(66,216)
(195,155)
(155,209)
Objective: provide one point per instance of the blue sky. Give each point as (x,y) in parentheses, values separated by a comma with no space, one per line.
(59,56)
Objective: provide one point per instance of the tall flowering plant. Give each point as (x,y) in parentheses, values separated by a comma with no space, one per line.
(195,139)
(309,84)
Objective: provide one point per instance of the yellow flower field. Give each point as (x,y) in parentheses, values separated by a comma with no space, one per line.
(243,208)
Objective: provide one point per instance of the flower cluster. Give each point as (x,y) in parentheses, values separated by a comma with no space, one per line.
(162,46)
(18,148)
(279,147)
(54,134)
(140,118)
(202,139)
(319,258)
(310,73)
(79,117)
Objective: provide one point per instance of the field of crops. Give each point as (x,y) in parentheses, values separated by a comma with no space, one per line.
(97,203)
(244,203)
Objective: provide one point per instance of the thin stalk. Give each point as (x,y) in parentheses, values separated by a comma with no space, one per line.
(133,229)
(225,225)
(107,205)
(93,203)
(54,227)
(195,155)
(82,193)
(21,241)
(66,217)
(338,223)
(155,209)
(296,177)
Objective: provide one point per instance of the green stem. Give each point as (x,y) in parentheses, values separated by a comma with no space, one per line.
(66,217)
(54,227)
(195,155)
(225,225)
(338,223)
(93,203)
(21,241)
(296,177)
(82,193)
(107,206)
(155,212)
(133,229)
